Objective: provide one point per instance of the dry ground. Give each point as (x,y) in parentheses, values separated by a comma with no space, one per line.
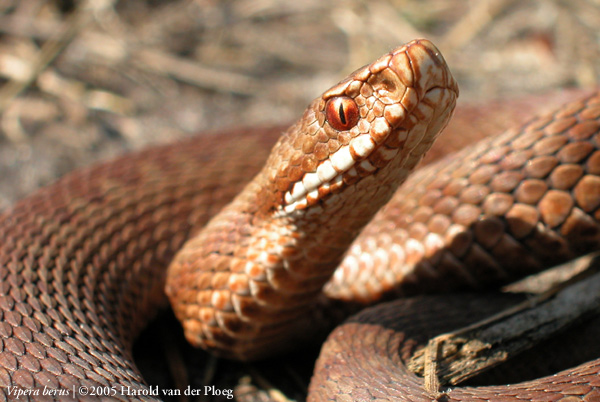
(84,80)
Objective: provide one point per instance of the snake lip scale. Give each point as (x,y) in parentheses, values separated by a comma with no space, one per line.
(83,262)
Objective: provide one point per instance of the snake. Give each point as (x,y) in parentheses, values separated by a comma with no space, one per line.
(256,256)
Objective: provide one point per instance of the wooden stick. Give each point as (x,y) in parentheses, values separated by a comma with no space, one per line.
(452,358)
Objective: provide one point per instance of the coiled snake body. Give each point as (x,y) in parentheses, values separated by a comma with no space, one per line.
(82,262)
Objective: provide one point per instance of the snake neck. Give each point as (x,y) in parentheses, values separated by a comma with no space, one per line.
(250,272)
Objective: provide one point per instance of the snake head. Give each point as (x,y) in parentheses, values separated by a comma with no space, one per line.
(364,135)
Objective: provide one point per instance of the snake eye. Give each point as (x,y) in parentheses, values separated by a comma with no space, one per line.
(342,113)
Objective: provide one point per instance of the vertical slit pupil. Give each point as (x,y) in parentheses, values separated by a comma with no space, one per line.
(342,114)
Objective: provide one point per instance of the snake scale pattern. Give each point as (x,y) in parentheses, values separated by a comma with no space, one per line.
(83,262)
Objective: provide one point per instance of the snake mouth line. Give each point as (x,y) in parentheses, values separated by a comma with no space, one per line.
(346,163)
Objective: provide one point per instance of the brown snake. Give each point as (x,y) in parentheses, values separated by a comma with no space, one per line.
(82,262)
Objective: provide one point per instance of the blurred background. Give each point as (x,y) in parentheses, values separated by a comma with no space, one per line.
(82,81)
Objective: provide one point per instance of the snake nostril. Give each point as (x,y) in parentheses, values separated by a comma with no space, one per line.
(386,83)
(389,85)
